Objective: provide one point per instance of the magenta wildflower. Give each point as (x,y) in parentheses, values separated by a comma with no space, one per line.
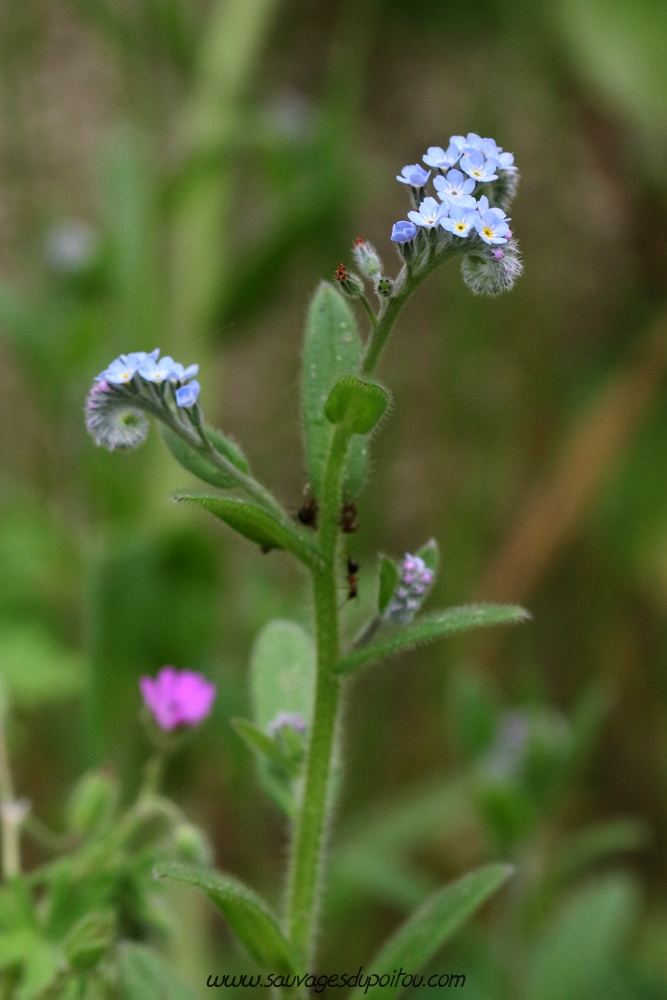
(177,697)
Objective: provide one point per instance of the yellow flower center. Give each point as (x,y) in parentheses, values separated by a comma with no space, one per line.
(487,232)
(461,227)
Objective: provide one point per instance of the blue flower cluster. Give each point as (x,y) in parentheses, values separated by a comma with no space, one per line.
(467,162)
(136,384)
(151,368)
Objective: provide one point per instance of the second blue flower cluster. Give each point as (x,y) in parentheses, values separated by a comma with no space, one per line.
(458,211)
(151,368)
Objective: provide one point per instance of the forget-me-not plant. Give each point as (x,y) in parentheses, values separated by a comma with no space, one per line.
(78,908)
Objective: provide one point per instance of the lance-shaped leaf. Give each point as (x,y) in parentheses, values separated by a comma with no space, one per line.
(433,626)
(332,348)
(255,523)
(389,575)
(426,931)
(356,404)
(199,465)
(248,915)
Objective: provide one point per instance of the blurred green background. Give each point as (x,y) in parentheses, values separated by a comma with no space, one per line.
(181,173)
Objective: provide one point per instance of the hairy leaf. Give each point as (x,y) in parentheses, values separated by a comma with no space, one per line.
(332,348)
(247,913)
(356,404)
(198,465)
(254,523)
(389,576)
(433,626)
(424,933)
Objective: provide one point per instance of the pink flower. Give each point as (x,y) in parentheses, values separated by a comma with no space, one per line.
(177,697)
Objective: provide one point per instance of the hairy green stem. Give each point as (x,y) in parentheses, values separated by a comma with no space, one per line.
(309,833)
(407,282)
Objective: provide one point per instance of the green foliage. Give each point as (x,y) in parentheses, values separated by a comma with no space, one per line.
(583,942)
(430,627)
(332,349)
(36,668)
(355,405)
(247,913)
(282,672)
(282,679)
(143,975)
(422,936)
(389,576)
(93,802)
(37,959)
(197,464)
(254,523)
(89,939)
(430,553)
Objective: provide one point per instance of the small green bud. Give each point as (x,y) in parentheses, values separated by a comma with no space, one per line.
(355,404)
(88,940)
(351,284)
(367,258)
(384,287)
(93,802)
(192,845)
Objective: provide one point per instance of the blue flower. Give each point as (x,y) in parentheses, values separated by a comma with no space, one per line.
(438,158)
(156,371)
(429,214)
(414,175)
(187,394)
(454,186)
(403,232)
(491,223)
(124,368)
(461,219)
(506,161)
(476,166)
(181,374)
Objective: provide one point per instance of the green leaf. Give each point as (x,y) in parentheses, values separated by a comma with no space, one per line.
(37,958)
(89,939)
(36,668)
(355,404)
(424,933)
(389,576)
(254,523)
(282,679)
(591,845)
(282,672)
(433,626)
(430,553)
(144,975)
(258,740)
(580,945)
(247,913)
(332,349)
(197,464)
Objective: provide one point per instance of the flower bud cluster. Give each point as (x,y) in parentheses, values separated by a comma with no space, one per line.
(414,582)
(474,182)
(136,384)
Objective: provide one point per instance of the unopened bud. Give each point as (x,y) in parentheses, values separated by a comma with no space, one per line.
(367,258)
(93,801)
(384,287)
(490,273)
(192,845)
(88,940)
(349,283)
